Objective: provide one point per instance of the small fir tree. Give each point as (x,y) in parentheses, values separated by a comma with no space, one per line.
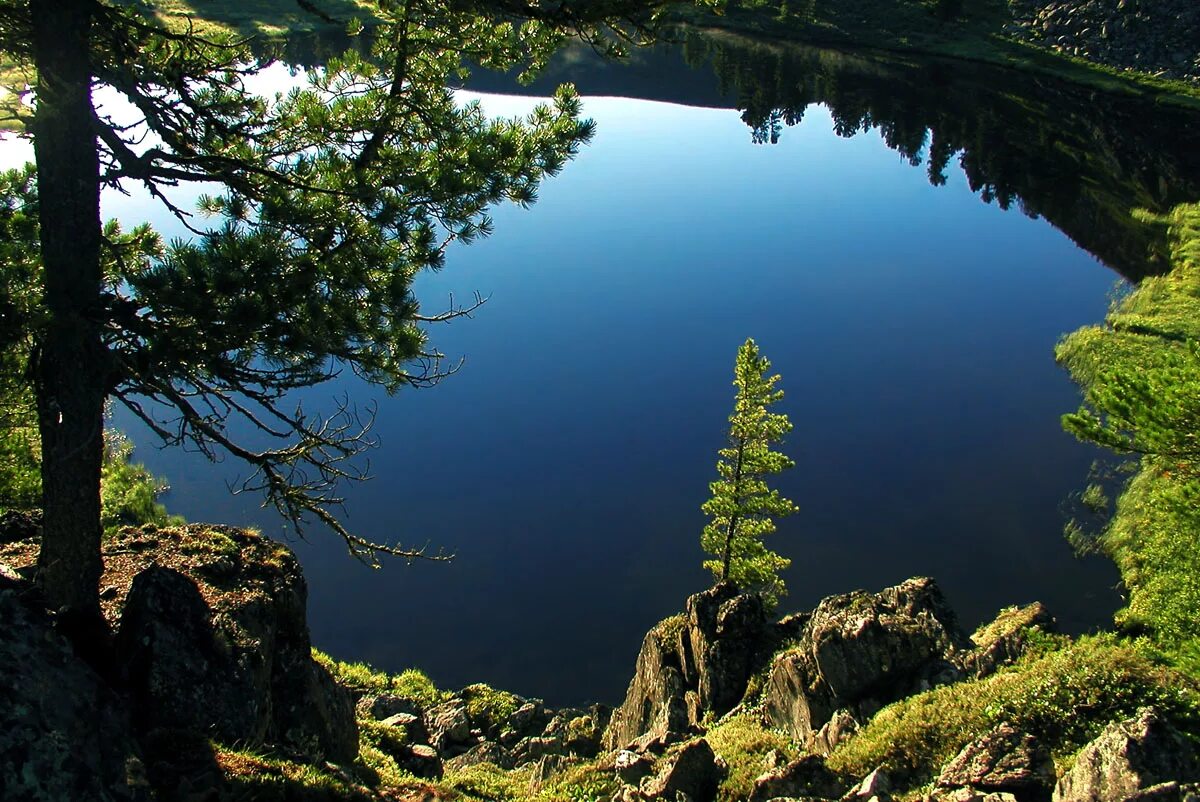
(742,507)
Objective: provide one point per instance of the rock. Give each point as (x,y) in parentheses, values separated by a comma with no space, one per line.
(1003,641)
(546,767)
(412,726)
(861,650)
(654,703)
(585,732)
(1004,760)
(722,645)
(63,734)
(182,672)
(448,725)
(234,662)
(528,750)
(968,795)
(1129,757)
(693,771)
(839,727)
(876,785)
(807,776)
(695,664)
(16,525)
(482,752)
(631,767)
(380,706)
(526,718)
(422,761)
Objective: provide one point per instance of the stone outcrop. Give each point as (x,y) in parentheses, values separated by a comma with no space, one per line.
(1155,36)
(693,771)
(1130,758)
(859,651)
(63,733)
(1003,761)
(807,776)
(697,663)
(1003,641)
(225,650)
(212,640)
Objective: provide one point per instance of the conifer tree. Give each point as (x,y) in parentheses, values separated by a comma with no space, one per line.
(742,507)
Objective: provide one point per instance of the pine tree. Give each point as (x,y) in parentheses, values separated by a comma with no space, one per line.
(742,507)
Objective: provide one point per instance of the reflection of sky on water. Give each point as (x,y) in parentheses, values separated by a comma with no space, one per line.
(566,463)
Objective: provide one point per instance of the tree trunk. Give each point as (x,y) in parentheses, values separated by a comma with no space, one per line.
(71,363)
(735,517)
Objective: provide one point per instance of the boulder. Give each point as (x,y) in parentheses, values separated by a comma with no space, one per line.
(63,734)
(630,767)
(448,725)
(807,776)
(1130,757)
(838,728)
(420,760)
(17,525)
(482,752)
(694,771)
(381,706)
(654,704)
(695,664)
(1003,641)
(412,727)
(722,645)
(859,651)
(225,652)
(1003,760)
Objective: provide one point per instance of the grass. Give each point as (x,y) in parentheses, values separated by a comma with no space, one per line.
(410,683)
(744,743)
(487,707)
(1064,697)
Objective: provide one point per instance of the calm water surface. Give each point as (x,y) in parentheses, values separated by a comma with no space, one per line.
(913,324)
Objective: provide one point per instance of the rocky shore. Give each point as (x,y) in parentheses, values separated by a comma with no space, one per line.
(1160,37)
(213,692)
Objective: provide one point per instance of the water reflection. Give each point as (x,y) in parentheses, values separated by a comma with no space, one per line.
(1083,160)
(913,327)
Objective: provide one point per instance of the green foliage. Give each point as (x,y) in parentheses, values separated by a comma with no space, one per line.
(487,706)
(128,492)
(490,783)
(743,743)
(586,782)
(1140,375)
(1064,697)
(743,507)
(410,683)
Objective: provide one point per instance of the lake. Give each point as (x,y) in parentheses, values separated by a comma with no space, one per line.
(906,241)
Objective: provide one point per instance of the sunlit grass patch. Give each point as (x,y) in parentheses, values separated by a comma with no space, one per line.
(1064,697)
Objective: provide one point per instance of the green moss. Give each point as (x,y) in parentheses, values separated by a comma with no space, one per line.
(743,742)
(488,782)
(211,541)
(1065,698)
(669,628)
(1010,620)
(248,775)
(410,683)
(417,685)
(488,707)
(586,782)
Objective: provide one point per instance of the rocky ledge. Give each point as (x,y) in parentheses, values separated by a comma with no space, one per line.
(211,691)
(1161,37)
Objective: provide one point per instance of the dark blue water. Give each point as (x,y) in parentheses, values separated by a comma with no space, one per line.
(565,464)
